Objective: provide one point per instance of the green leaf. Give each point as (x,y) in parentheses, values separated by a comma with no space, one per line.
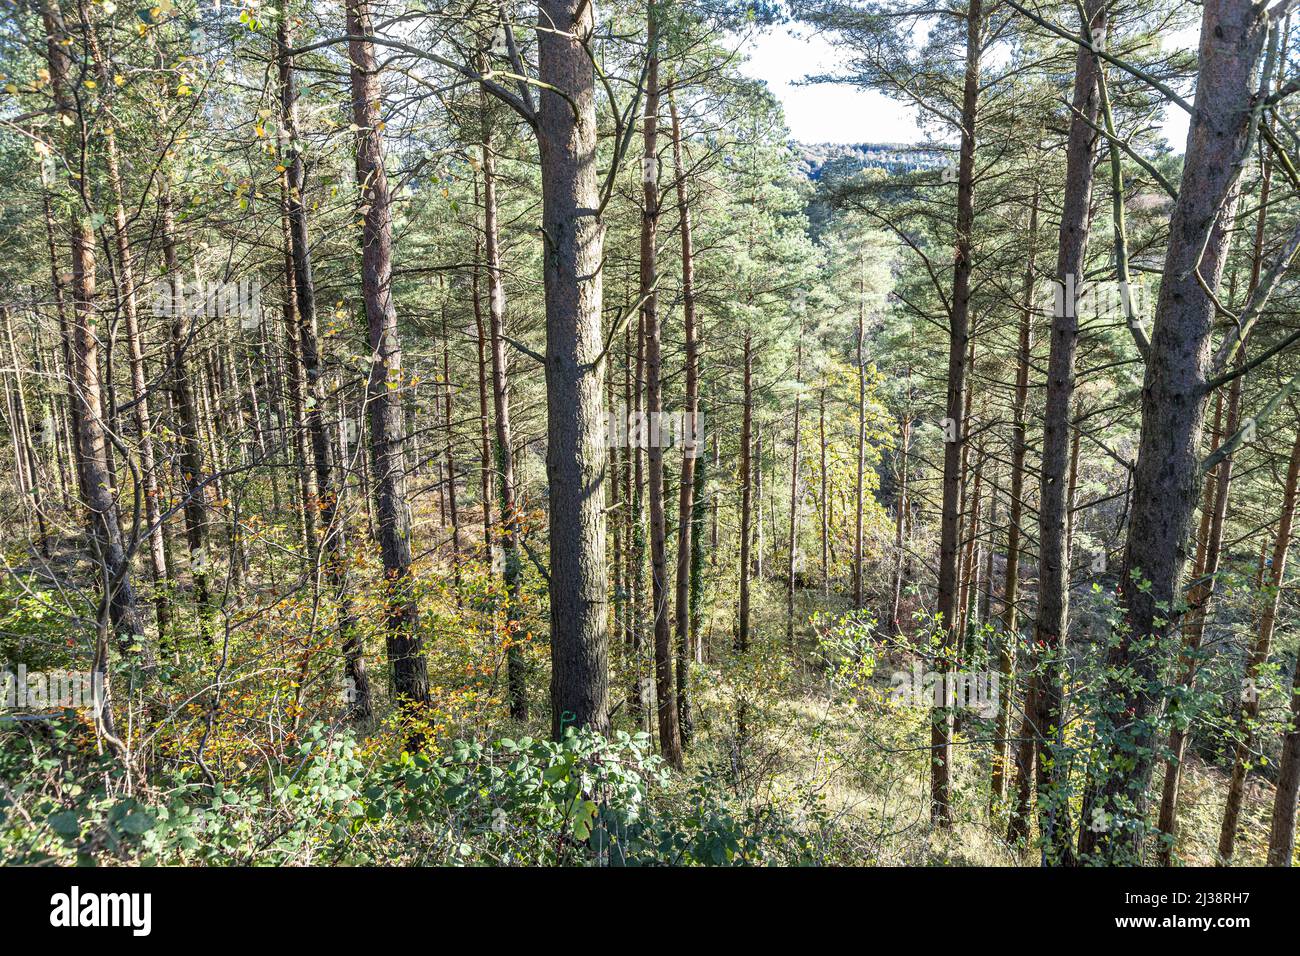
(65,823)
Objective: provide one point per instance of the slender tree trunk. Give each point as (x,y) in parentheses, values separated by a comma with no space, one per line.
(1052,621)
(516,675)
(900,522)
(100,499)
(1246,732)
(329,483)
(1009,638)
(687,532)
(859,487)
(384,387)
(139,391)
(794,492)
(958,335)
(190,440)
(746,494)
(1281,839)
(24,449)
(825,500)
(309,506)
(452,507)
(487,492)
(665,681)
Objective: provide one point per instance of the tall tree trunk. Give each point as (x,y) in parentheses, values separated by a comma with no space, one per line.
(25,454)
(487,486)
(452,508)
(575,455)
(1201,593)
(746,494)
(859,486)
(1009,638)
(1166,479)
(825,499)
(900,522)
(309,506)
(127,304)
(329,485)
(794,491)
(1247,737)
(516,675)
(687,532)
(958,335)
(384,386)
(1052,620)
(181,331)
(1281,839)
(665,682)
(100,499)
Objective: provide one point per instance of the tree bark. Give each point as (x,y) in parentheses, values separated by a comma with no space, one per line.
(1009,638)
(1166,478)
(1249,714)
(575,454)
(333,523)
(687,533)
(1052,621)
(958,335)
(516,675)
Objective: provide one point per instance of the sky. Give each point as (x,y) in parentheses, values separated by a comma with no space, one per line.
(840,113)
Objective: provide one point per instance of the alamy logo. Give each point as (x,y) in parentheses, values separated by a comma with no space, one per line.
(76,909)
(210,300)
(1074,299)
(35,690)
(625,429)
(973,690)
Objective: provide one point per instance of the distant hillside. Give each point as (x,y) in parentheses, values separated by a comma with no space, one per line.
(891,157)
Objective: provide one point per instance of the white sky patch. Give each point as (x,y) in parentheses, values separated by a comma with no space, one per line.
(843,113)
(823,112)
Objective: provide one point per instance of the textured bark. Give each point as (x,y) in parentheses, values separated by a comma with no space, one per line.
(332,523)
(665,681)
(687,532)
(794,492)
(384,387)
(1249,714)
(127,307)
(486,482)
(1008,640)
(1214,520)
(1166,479)
(1178,736)
(1052,620)
(190,441)
(575,453)
(100,500)
(900,517)
(859,486)
(1281,838)
(746,494)
(505,461)
(296,420)
(958,335)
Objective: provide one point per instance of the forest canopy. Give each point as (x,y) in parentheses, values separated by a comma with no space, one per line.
(480,433)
